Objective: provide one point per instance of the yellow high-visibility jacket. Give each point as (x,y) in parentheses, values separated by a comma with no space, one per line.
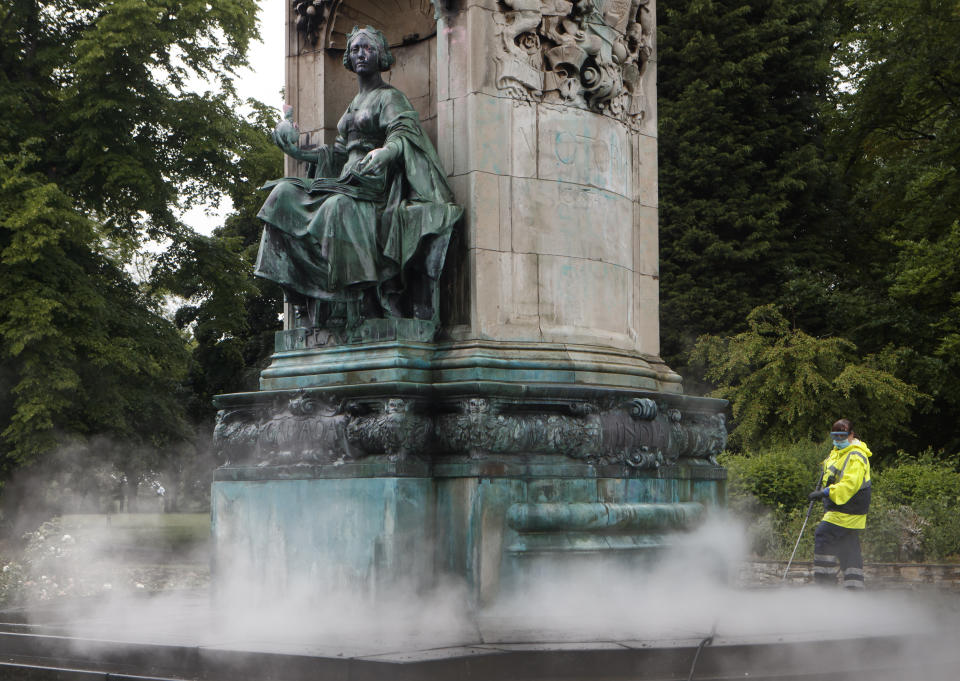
(846,473)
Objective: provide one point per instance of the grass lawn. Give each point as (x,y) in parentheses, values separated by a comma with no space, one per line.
(145,537)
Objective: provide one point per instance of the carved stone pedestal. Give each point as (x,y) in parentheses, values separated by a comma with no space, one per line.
(402,482)
(534,425)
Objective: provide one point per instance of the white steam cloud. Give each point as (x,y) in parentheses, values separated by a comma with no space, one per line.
(688,594)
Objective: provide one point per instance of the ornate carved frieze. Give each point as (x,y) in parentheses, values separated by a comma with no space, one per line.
(307,429)
(301,429)
(480,427)
(585,53)
(394,427)
(637,433)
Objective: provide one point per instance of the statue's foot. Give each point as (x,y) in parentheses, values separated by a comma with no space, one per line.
(300,314)
(391,305)
(370,305)
(421,311)
(306,315)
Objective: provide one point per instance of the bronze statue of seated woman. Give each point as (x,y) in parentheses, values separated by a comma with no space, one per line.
(366,236)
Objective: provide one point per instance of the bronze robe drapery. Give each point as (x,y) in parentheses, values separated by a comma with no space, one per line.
(332,237)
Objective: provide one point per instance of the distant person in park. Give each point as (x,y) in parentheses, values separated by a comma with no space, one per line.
(367,235)
(845,491)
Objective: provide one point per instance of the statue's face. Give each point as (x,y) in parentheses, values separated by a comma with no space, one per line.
(364,55)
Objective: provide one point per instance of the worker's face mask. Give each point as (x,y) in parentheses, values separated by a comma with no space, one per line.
(840,439)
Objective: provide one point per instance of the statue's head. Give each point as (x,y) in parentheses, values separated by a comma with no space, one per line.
(377,39)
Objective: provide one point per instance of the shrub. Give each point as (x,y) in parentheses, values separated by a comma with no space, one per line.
(776,478)
(918,500)
(914,515)
(768,489)
(788,527)
(894,533)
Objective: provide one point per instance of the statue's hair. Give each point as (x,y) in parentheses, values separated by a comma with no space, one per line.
(386,57)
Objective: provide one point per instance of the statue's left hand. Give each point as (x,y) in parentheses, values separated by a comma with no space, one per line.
(376,161)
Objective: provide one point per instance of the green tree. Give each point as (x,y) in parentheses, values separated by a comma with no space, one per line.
(87,350)
(743,174)
(785,385)
(102,142)
(897,132)
(231,315)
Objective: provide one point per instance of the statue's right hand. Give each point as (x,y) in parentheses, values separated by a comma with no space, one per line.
(286,136)
(285,145)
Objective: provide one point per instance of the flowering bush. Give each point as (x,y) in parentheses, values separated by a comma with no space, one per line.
(45,570)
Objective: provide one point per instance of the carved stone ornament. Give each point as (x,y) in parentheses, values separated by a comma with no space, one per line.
(323,23)
(591,54)
(304,429)
(311,15)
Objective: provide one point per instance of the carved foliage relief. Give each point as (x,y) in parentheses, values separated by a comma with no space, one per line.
(591,54)
(303,429)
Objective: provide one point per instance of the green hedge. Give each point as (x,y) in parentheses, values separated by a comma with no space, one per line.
(914,515)
(916,511)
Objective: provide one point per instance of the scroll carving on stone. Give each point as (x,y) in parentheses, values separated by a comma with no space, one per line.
(590,54)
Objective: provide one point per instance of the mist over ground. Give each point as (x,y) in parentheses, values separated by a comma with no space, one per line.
(688,594)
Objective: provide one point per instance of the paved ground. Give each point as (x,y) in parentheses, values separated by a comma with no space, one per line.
(182,639)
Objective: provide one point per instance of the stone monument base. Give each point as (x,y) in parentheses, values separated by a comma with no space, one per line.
(455,463)
(372,528)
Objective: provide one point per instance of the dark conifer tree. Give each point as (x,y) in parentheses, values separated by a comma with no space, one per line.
(744,184)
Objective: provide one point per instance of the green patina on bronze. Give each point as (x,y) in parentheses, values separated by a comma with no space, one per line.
(366,235)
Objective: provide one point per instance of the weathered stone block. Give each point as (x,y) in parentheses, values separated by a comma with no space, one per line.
(507,302)
(645,165)
(479,194)
(649,125)
(493,135)
(584,301)
(584,148)
(645,235)
(571,220)
(644,323)
(465,53)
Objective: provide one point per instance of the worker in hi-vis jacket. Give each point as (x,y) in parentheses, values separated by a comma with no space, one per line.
(845,490)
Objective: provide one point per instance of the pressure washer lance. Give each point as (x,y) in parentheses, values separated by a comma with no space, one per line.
(802,528)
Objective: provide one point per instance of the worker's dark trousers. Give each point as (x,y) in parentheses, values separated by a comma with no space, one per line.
(836,549)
